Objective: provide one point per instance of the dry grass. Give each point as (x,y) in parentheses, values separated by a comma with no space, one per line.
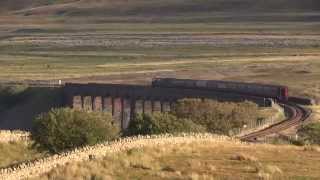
(224,160)
(312,148)
(94,50)
(244,157)
(15,152)
(316,113)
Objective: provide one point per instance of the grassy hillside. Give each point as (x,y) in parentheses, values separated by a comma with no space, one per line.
(13,5)
(202,160)
(271,41)
(155,7)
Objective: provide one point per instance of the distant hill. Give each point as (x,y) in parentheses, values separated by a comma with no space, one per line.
(152,7)
(14,5)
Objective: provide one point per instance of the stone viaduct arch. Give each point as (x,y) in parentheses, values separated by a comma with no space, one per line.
(123,101)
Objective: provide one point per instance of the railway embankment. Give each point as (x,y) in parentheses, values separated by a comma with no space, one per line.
(296,115)
(279,116)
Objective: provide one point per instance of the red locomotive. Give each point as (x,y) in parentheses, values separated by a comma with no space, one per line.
(262,90)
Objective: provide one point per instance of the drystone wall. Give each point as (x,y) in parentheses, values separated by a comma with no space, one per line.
(40,166)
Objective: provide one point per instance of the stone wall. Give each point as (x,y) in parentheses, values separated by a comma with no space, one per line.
(40,166)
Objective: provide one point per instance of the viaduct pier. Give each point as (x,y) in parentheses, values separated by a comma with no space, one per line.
(123,101)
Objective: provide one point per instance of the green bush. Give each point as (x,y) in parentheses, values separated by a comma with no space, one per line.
(310,133)
(159,123)
(217,117)
(64,129)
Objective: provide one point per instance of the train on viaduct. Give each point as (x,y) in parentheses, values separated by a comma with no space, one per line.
(123,101)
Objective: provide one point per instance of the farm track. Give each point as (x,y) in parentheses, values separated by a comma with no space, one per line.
(297,115)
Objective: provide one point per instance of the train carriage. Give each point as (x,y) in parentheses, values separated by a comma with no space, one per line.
(269,91)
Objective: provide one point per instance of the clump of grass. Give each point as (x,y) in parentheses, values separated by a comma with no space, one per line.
(251,169)
(15,152)
(272,169)
(263,175)
(139,158)
(243,157)
(198,176)
(311,148)
(134,151)
(269,172)
(212,167)
(194,163)
(141,166)
(168,168)
(217,117)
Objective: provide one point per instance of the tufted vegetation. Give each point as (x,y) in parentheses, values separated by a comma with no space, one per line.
(159,123)
(14,152)
(195,115)
(64,129)
(310,133)
(217,117)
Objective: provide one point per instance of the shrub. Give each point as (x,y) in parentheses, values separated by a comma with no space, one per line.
(217,117)
(63,129)
(310,133)
(159,123)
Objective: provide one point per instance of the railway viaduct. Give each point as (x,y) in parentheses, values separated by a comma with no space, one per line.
(123,101)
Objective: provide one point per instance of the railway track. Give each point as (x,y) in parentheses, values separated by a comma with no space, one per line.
(296,114)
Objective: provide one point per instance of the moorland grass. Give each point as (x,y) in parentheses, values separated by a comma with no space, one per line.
(202,160)
(108,47)
(15,152)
